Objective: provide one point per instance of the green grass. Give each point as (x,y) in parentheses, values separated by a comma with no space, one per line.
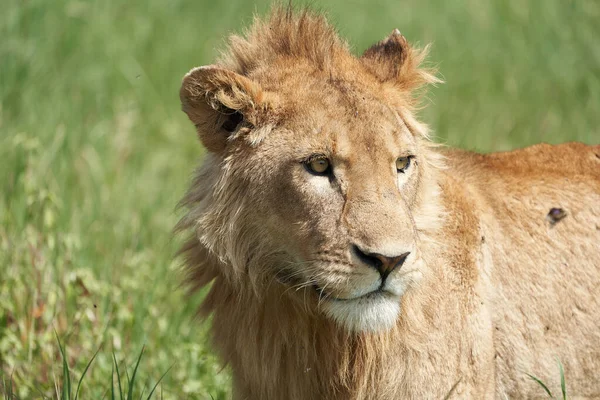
(563,383)
(96,153)
(65,391)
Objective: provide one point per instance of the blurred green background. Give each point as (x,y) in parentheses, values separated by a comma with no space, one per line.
(95,153)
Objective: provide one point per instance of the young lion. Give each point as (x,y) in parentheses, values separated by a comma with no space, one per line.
(349,257)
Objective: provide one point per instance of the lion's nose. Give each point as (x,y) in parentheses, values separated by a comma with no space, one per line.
(383,264)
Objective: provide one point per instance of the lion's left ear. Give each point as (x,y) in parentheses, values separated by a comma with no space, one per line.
(394,60)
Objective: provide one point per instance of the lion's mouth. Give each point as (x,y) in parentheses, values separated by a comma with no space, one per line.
(323,295)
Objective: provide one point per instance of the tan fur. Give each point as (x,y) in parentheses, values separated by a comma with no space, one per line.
(491,289)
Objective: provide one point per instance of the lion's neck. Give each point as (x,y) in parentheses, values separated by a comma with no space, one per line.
(279,347)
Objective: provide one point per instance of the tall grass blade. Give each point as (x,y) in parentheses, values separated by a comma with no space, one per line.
(159,380)
(10,388)
(563,384)
(118,377)
(539,382)
(112,383)
(84,372)
(66,384)
(131,382)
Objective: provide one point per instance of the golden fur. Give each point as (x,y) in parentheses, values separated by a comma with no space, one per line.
(491,289)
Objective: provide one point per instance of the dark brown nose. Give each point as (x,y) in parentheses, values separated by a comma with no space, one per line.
(383,264)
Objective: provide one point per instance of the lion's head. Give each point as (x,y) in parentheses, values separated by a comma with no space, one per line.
(318,176)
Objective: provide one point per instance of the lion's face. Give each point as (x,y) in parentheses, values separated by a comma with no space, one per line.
(319,191)
(338,191)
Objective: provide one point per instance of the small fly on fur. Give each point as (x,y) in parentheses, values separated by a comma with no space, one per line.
(555,215)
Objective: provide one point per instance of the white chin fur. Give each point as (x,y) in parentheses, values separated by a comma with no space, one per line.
(364,314)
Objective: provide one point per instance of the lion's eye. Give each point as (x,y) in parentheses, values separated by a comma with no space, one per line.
(318,165)
(402,163)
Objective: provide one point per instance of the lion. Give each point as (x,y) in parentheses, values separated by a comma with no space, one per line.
(348,256)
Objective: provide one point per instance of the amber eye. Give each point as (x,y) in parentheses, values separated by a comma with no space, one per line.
(318,165)
(402,163)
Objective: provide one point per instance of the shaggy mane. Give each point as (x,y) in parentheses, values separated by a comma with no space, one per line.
(285,33)
(306,35)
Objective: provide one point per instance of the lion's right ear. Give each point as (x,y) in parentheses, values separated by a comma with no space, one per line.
(217,101)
